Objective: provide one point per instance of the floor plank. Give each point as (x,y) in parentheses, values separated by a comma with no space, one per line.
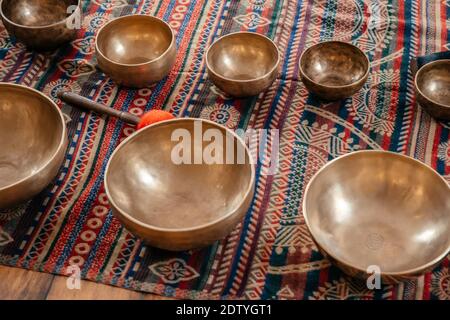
(30,285)
(89,291)
(22,284)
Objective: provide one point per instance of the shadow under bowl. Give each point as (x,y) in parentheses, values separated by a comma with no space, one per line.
(136,51)
(334,70)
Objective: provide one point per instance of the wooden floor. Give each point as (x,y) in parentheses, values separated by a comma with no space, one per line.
(23,284)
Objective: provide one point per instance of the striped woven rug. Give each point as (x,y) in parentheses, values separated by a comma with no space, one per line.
(270,255)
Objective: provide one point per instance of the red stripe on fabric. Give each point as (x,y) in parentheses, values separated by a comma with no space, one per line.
(426,286)
(436,142)
(45,215)
(56,76)
(198,52)
(323,276)
(444,22)
(181,52)
(103,248)
(87,191)
(73,217)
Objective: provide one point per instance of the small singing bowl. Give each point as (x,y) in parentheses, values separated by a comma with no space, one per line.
(136,51)
(334,70)
(377,211)
(432,84)
(180,205)
(42,25)
(33,142)
(243,64)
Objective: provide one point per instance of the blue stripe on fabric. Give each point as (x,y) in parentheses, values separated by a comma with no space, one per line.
(270,117)
(98,241)
(92,196)
(285,64)
(404,73)
(203,70)
(160,85)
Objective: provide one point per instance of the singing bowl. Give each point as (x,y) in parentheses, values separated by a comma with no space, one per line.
(178,206)
(432,85)
(243,64)
(33,141)
(41,24)
(334,70)
(136,51)
(377,208)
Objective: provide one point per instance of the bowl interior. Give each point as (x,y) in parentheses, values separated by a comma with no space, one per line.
(377,208)
(134,39)
(242,56)
(30,133)
(334,64)
(144,182)
(433,80)
(36,13)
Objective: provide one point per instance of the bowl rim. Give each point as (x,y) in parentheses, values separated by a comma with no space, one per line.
(274,68)
(407,272)
(2,14)
(135,16)
(62,138)
(249,191)
(420,71)
(303,74)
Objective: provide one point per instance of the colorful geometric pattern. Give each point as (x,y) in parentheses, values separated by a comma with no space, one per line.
(270,255)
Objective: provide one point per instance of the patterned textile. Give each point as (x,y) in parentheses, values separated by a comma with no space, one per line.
(270,255)
(423,60)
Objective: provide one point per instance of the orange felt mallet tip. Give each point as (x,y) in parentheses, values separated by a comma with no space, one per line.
(154,116)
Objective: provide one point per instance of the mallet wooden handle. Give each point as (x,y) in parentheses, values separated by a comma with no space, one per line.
(82,102)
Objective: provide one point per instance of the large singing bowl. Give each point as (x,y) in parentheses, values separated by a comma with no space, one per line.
(377,208)
(180,205)
(33,141)
(42,24)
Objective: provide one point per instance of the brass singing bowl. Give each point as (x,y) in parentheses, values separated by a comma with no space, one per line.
(177,206)
(41,24)
(33,142)
(243,64)
(378,208)
(334,70)
(136,51)
(432,85)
